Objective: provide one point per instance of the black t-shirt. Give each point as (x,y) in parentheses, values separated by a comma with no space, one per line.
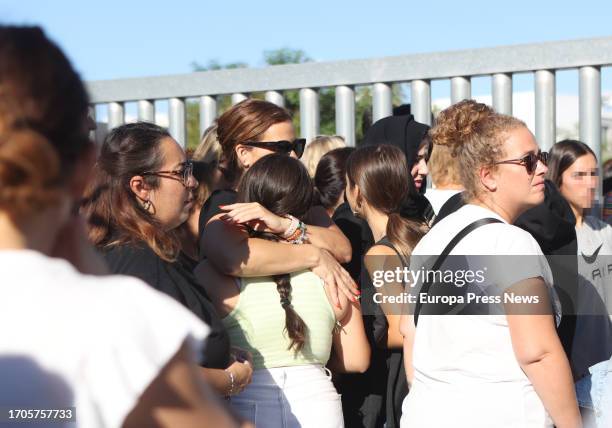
(211,209)
(178,281)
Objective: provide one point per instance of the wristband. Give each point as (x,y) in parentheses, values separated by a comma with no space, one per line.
(232,381)
(292,227)
(299,237)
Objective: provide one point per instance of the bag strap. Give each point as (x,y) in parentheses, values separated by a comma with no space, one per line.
(467,229)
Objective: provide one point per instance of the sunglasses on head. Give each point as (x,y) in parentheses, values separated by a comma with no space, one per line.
(529,161)
(282,146)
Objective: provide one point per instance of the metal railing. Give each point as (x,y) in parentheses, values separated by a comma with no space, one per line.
(500,63)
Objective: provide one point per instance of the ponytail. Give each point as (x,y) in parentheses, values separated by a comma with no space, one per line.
(294,325)
(404,234)
(29,173)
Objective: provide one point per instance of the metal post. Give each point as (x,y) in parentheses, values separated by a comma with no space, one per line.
(345,114)
(208,112)
(590,108)
(382,104)
(309,113)
(545,121)
(461,89)
(116,115)
(91,113)
(502,93)
(275,97)
(421,101)
(590,121)
(236,98)
(177,120)
(146,111)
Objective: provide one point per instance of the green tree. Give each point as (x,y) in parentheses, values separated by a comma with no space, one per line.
(327,97)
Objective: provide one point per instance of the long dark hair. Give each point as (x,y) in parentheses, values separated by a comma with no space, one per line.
(282,185)
(383,179)
(562,156)
(113,212)
(330,177)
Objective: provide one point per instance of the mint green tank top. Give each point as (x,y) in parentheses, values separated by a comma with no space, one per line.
(257,322)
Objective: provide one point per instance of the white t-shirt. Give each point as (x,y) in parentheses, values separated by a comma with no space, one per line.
(438,197)
(465,370)
(94,343)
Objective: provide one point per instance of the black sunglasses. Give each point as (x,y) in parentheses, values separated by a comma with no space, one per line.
(529,161)
(282,146)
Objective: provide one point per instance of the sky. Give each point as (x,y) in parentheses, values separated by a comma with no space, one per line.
(114,39)
(130,38)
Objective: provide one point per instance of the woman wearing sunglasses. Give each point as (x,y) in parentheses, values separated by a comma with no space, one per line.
(140,193)
(505,370)
(247,132)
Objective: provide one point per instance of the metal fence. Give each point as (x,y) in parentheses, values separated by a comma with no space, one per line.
(500,63)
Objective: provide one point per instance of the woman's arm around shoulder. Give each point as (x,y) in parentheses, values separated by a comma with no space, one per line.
(323,233)
(221,289)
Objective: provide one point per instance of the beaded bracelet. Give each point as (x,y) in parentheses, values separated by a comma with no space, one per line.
(295,223)
(299,237)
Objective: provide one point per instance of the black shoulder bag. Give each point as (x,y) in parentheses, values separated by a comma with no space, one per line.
(467,229)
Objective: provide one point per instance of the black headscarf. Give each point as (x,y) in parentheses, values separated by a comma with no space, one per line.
(406,134)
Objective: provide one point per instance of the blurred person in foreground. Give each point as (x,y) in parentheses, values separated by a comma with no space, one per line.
(98,344)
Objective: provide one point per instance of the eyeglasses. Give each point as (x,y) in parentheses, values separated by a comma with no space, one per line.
(183,174)
(283,146)
(529,161)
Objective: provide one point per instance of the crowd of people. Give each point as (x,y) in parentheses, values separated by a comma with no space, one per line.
(237,285)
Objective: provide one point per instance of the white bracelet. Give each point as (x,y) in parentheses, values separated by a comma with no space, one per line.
(292,227)
(232,381)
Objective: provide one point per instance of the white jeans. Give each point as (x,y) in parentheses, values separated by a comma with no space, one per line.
(290,397)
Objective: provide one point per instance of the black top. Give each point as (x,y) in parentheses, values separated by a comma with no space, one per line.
(176,280)
(374,399)
(359,235)
(211,209)
(400,131)
(416,207)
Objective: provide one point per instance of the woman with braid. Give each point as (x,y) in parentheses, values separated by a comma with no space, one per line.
(287,321)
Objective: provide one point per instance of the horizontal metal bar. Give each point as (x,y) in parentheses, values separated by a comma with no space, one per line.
(473,62)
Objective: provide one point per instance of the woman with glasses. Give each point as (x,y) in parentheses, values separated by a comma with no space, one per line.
(247,132)
(573,168)
(141,192)
(505,366)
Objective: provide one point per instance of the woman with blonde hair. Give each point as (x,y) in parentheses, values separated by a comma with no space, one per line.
(206,171)
(510,368)
(444,170)
(317,148)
